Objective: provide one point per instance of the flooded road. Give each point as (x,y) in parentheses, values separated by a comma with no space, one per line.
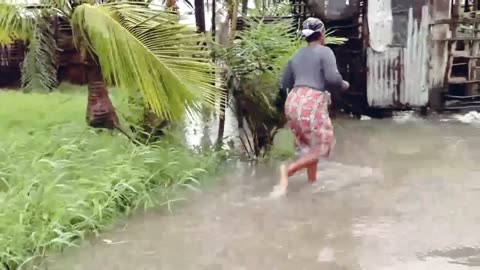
(397,194)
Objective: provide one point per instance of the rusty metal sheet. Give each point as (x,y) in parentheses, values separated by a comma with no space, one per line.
(384,77)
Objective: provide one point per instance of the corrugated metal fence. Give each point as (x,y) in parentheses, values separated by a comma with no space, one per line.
(398,73)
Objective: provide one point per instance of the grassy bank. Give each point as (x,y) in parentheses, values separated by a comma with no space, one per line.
(60,181)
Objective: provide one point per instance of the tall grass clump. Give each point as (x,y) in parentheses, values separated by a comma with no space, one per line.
(61,182)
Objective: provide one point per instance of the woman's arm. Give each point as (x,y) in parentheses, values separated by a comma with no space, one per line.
(288,79)
(333,78)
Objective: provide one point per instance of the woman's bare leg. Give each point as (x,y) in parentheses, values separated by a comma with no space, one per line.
(312,172)
(304,162)
(307,162)
(281,188)
(283,177)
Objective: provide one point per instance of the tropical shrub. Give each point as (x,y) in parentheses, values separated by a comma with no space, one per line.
(253,66)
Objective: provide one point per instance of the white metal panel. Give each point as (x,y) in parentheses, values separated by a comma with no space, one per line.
(416,57)
(380,24)
(384,77)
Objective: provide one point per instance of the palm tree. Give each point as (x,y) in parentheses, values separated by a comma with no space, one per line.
(200,16)
(126,44)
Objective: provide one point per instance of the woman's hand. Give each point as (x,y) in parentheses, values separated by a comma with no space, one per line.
(345,85)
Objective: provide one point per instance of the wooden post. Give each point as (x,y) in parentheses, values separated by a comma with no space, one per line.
(473,63)
(439,9)
(200,15)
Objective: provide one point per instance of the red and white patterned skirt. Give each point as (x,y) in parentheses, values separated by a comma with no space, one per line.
(307,116)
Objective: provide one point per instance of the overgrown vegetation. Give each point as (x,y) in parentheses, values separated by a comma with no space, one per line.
(127,44)
(271,8)
(61,182)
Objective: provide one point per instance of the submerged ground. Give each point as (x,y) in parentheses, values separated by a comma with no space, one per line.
(396,195)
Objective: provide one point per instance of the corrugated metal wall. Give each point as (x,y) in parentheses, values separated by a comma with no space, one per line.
(397,65)
(416,57)
(384,77)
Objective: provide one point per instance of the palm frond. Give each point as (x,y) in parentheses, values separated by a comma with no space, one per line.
(39,69)
(331,39)
(31,24)
(188,3)
(257,58)
(60,7)
(143,49)
(17,22)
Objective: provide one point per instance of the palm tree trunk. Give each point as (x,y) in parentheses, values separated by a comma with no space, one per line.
(200,15)
(221,121)
(100,111)
(172,5)
(233,17)
(244,7)
(214,20)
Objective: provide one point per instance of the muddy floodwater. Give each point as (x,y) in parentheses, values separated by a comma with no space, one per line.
(399,193)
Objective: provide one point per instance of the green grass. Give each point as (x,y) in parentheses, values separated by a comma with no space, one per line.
(61,181)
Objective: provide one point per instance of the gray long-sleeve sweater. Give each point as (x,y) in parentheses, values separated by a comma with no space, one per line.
(313,66)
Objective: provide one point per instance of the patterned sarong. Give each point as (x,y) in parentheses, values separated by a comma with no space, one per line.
(307,116)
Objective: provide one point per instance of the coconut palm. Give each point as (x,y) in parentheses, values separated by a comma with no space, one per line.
(127,44)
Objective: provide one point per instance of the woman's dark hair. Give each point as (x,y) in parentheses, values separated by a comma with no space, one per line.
(313,37)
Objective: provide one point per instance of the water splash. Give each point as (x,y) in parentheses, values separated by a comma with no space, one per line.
(472,117)
(406,116)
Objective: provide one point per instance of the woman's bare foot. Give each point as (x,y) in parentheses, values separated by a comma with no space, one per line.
(284,176)
(281,188)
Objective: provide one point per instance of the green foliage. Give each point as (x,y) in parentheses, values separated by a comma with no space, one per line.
(253,64)
(139,50)
(16,22)
(39,69)
(252,60)
(60,181)
(271,8)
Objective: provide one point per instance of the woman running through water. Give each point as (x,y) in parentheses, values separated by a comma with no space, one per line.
(309,73)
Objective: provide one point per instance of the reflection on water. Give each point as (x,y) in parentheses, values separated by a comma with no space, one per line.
(203,130)
(397,195)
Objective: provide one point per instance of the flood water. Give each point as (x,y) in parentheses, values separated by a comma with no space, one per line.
(396,195)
